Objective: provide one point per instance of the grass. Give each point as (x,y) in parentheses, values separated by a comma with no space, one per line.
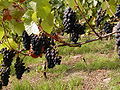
(25,85)
(74,83)
(114,83)
(93,47)
(96,61)
(98,55)
(59,69)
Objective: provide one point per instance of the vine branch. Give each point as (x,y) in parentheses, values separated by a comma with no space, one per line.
(57,38)
(88,41)
(86,19)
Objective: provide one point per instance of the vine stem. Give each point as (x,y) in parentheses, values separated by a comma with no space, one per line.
(86,19)
(88,41)
(45,67)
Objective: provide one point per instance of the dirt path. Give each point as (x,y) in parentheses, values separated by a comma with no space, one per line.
(97,79)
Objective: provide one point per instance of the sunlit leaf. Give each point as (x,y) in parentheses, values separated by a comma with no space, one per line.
(1,32)
(12,43)
(33,5)
(32,28)
(44,12)
(34,17)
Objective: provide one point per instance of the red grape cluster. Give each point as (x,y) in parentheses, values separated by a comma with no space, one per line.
(6,63)
(19,67)
(37,44)
(5,75)
(117,14)
(108,28)
(117,35)
(71,25)
(52,57)
(69,20)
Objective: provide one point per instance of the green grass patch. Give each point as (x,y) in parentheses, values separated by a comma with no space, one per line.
(73,83)
(59,69)
(93,47)
(97,61)
(115,80)
(24,85)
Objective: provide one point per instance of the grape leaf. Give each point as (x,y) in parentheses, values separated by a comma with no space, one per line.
(31,28)
(16,27)
(34,17)
(33,5)
(1,58)
(1,33)
(27,17)
(9,43)
(71,3)
(4,4)
(104,6)
(12,43)
(44,12)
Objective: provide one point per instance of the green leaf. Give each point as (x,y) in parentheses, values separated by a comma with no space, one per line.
(71,3)
(16,13)
(12,43)
(34,17)
(1,33)
(111,8)
(4,4)
(16,27)
(1,58)
(19,28)
(95,3)
(9,43)
(27,17)
(104,6)
(33,5)
(44,12)
(2,46)
(112,2)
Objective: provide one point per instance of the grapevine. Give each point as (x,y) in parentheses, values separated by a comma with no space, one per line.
(33,35)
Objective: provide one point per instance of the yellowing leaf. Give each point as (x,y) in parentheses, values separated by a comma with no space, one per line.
(34,17)
(1,32)
(12,43)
